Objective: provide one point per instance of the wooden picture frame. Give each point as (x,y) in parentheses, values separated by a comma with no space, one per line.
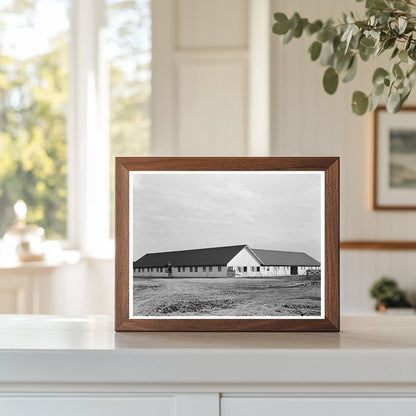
(394,185)
(130,170)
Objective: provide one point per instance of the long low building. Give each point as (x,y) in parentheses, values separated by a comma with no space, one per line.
(230,261)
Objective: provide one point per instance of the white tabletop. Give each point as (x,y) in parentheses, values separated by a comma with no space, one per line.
(86,349)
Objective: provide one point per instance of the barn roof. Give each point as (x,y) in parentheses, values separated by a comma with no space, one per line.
(221,256)
(284,258)
(214,256)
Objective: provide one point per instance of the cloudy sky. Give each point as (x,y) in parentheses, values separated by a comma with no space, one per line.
(179,211)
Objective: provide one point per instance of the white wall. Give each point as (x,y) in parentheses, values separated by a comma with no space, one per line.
(308,122)
(203,84)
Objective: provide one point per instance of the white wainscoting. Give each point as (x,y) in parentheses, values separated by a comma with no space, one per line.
(308,122)
(203,84)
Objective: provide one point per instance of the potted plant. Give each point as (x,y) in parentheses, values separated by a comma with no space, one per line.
(387,294)
(389,27)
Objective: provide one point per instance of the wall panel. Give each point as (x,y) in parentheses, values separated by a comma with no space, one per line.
(212,106)
(212,24)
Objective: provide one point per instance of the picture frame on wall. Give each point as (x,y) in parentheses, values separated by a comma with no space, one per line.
(227,244)
(394,159)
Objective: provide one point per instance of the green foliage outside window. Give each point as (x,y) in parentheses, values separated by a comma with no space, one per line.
(33,99)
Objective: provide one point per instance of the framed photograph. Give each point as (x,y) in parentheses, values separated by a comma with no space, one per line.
(227,244)
(394,183)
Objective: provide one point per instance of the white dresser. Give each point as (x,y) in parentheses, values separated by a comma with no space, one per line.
(79,366)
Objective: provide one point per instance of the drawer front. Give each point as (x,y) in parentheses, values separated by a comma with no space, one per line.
(87,406)
(272,406)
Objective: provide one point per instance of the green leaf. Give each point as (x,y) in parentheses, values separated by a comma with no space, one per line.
(393,101)
(288,37)
(330,80)
(366,53)
(397,71)
(403,56)
(314,27)
(367,42)
(281,27)
(341,62)
(376,4)
(379,75)
(327,53)
(395,52)
(374,102)
(402,24)
(389,43)
(359,103)
(378,89)
(315,50)
(322,36)
(351,71)
(298,30)
(408,42)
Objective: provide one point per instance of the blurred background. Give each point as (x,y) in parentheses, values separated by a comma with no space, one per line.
(83,81)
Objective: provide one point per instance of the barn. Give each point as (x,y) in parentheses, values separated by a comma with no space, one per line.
(230,261)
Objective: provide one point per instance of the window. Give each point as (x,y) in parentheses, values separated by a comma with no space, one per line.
(68,105)
(219,268)
(195,269)
(34,71)
(245,268)
(258,268)
(129,46)
(210,268)
(204,269)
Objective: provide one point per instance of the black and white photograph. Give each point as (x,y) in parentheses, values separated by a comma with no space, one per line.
(403,158)
(394,159)
(227,244)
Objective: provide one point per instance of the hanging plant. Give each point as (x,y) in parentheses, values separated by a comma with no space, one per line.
(389,27)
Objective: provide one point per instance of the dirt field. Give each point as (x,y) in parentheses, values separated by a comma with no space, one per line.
(281,296)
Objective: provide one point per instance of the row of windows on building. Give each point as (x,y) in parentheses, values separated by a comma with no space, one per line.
(197,269)
(178,269)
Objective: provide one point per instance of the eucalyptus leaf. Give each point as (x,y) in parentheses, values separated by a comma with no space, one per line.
(402,22)
(397,71)
(376,4)
(393,101)
(281,27)
(374,102)
(327,53)
(408,42)
(330,80)
(395,52)
(315,50)
(403,56)
(314,27)
(378,89)
(351,71)
(359,103)
(379,75)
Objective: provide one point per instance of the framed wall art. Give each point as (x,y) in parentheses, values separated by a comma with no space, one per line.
(227,244)
(394,159)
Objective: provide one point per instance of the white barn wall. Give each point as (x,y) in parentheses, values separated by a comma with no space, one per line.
(244,258)
(308,122)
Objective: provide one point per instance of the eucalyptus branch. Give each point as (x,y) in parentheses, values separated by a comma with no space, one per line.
(388,25)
